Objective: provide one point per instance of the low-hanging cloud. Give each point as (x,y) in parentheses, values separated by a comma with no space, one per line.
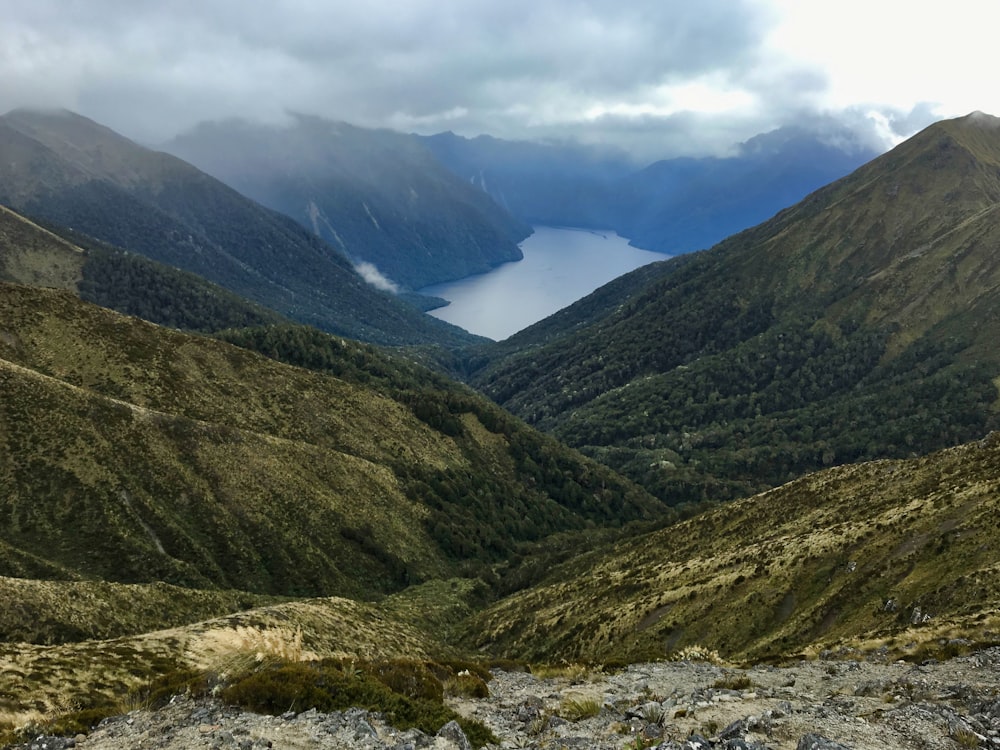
(370,273)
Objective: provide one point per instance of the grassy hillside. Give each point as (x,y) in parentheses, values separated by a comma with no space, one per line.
(76,684)
(855,325)
(136,453)
(902,554)
(72,172)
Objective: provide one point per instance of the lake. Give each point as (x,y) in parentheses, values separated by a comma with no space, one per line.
(560,266)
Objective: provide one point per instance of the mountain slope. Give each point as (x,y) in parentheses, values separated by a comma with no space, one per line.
(126,282)
(132,453)
(856,324)
(673,205)
(75,173)
(378,196)
(889,553)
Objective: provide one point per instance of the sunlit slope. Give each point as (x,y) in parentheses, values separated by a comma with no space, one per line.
(896,553)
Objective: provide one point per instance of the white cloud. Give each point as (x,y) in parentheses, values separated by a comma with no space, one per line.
(370,273)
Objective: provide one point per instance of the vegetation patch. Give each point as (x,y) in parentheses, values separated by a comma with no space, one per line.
(337,685)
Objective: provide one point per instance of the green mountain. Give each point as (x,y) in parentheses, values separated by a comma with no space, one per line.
(129,283)
(899,556)
(859,323)
(134,453)
(378,196)
(72,172)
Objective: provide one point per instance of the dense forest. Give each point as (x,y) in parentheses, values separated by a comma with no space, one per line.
(479,516)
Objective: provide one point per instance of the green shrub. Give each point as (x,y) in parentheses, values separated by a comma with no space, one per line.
(334,686)
(410,678)
(466,685)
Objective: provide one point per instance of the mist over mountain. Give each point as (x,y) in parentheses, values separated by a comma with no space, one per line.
(376,195)
(673,205)
(73,172)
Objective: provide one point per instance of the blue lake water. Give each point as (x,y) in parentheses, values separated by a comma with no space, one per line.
(559,267)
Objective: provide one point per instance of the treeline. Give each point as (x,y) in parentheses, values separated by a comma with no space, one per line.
(135,285)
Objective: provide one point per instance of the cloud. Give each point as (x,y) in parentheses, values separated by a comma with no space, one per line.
(510,68)
(658,77)
(370,273)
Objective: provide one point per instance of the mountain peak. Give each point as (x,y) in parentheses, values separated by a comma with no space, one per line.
(979,117)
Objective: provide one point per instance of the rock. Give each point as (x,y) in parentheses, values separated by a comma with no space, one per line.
(741,744)
(454,734)
(737,729)
(697,742)
(815,742)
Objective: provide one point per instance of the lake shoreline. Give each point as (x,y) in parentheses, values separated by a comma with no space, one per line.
(560,266)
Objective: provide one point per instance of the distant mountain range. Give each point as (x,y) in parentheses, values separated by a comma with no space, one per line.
(378,196)
(672,206)
(859,323)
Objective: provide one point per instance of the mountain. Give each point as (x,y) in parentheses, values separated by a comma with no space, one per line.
(859,323)
(378,196)
(135,453)
(892,557)
(680,205)
(553,184)
(129,283)
(72,172)
(672,205)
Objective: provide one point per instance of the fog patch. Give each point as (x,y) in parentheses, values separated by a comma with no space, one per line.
(376,278)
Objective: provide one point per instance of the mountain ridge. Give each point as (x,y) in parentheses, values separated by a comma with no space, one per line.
(376,195)
(156,205)
(210,465)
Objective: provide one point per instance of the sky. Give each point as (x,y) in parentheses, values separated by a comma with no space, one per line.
(656,78)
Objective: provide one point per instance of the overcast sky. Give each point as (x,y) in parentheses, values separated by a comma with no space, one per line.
(657,77)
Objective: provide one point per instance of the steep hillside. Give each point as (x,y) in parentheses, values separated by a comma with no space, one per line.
(74,173)
(859,323)
(126,282)
(378,196)
(673,205)
(888,553)
(30,254)
(133,453)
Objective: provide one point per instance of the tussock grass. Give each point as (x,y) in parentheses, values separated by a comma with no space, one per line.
(578,709)
(837,559)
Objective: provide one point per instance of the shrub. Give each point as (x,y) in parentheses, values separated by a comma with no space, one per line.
(466,685)
(334,686)
(410,678)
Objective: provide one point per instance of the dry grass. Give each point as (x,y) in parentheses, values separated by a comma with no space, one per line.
(798,569)
(41,683)
(238,650)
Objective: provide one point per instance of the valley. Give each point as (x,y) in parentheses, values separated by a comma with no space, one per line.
(239,479)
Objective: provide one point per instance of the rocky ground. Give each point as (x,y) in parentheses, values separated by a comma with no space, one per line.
(823,704)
